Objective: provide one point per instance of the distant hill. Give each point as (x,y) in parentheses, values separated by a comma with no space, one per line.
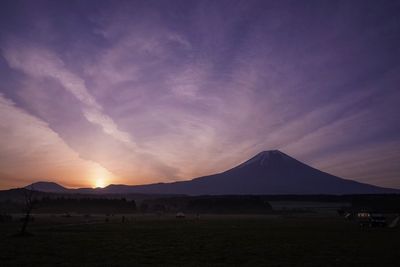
(47,187)
(267,173)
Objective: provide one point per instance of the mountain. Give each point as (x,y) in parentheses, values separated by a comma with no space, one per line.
(47,187)
(269,172)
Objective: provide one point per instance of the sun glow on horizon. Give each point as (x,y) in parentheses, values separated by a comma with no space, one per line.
(101,177)
(100,183)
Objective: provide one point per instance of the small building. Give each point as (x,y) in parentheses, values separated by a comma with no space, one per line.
(371,219)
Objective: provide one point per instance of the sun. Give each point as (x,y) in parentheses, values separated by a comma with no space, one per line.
(99,183)
(100,177)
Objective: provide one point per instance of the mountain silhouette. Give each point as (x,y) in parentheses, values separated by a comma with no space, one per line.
(47,187)
(269,172)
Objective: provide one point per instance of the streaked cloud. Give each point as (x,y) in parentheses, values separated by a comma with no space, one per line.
(42,63)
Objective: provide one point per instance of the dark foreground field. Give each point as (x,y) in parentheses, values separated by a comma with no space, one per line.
(208,241)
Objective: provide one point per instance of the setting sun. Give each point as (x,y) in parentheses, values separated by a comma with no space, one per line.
(100,177)
(99,183)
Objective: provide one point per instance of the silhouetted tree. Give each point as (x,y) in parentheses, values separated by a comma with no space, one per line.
(29,204)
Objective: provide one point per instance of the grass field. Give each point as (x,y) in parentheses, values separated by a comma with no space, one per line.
(209,241)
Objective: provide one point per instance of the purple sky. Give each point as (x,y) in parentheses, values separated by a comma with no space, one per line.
(98,92)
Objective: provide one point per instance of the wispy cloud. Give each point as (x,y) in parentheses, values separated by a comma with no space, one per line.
(42,63)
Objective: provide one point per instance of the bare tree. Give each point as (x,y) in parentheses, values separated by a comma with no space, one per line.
(29,205)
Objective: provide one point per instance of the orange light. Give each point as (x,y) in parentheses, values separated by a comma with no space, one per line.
(100,176)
